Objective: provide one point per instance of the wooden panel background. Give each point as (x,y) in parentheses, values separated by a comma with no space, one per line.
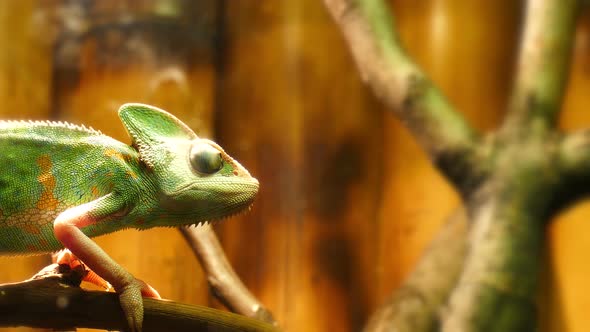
(348,201)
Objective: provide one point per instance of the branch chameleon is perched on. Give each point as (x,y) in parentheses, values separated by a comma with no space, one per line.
(61,184)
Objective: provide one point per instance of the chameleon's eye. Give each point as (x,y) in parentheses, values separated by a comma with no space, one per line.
(205,159)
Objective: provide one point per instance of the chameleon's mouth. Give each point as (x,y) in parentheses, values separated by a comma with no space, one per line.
(217,199)
(215,221)
(221,186)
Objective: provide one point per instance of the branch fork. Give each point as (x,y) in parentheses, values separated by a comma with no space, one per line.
(490,274)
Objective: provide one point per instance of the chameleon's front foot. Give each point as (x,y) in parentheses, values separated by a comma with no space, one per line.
(132,305)
(130,292)
(130,297)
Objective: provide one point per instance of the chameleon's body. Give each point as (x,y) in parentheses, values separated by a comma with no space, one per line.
(61,183)
(46,168)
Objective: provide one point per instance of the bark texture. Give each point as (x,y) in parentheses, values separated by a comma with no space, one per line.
(511,181)
(52,300)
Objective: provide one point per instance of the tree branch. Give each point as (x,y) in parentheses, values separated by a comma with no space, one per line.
(444,134)
(574,166)
(575,152)
(49,303)
(497,289)
(416,305)
(543,65)
(223,280)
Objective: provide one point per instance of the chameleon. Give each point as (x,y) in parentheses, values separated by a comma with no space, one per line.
(61,184)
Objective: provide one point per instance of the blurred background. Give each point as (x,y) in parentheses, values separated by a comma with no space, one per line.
(348,200)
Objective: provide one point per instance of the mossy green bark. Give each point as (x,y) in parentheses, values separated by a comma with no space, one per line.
(408,92)
(498,287)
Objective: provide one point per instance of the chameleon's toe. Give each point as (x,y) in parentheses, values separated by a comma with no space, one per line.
(65,257)
(132,304)
(97,280)
(147,290)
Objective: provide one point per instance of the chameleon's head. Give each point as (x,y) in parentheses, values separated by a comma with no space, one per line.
(197,181)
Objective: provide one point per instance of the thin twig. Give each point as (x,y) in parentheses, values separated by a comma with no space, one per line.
(543,65)
(444,134)
(223,280)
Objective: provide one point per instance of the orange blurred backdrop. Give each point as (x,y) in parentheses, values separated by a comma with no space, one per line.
(348,200)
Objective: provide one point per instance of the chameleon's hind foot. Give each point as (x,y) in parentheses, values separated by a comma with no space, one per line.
(65,257)
(130,293)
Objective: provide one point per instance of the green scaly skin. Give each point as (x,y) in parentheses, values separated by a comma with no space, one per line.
(61,184)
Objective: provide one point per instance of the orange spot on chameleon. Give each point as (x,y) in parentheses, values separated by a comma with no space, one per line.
(95,192)
(41,244)
(131,174)
(114,153)
(47,201)
(32,229)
